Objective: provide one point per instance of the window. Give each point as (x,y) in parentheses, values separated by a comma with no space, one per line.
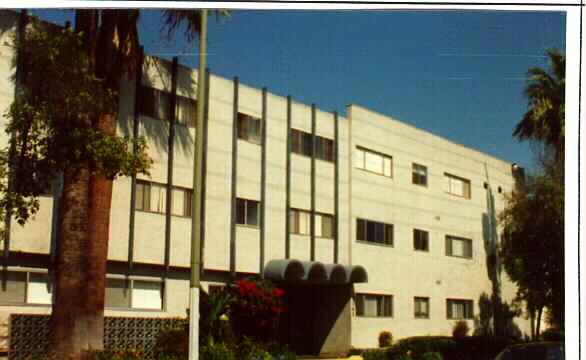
(152,197)
(247,212)
(459,309)
(20,287)
(302,142)
(374,305)
(422,307)
(134,294)
(373,162)
(458,247)
(300,223)
(324,149)
(249,128)
(156,104)
(324,225)
(457,186)
(419,175)
(420,240)
(374,232)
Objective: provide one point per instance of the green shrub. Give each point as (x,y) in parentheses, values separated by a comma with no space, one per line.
(216,352)
(385,339)
(552,334)
(432,355)
(460,329)
(172,342)
(111,355)
(374,354)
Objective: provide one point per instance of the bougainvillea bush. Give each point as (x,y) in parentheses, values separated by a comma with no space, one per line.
(255,307)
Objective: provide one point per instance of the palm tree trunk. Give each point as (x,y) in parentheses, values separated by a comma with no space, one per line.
(100,192)
(68,328)
(539,312)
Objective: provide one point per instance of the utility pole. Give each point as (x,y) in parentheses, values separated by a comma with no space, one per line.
(196,199)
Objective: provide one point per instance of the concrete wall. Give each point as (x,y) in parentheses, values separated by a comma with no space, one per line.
(400,270)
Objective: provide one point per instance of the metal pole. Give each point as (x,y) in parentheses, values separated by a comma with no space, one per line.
(196,199)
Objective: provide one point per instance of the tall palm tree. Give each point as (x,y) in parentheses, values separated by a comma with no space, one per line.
(111,43)
(544,121)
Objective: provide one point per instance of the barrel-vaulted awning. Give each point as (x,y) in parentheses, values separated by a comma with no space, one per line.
(314,272)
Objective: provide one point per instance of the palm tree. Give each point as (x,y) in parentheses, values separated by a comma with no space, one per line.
(544,121)
(111,43)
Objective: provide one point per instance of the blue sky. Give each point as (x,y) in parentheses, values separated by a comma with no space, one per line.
(458,74)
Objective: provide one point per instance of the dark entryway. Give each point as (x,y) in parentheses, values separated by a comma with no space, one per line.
(317,318)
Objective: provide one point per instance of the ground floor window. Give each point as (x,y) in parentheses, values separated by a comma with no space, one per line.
(134,294)
(22,287)
(373,305)
(459,309)
(422,307)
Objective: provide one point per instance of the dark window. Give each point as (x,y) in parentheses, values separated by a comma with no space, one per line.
(420,240)
(459,309)
(324,149)
(157,104)
(369,305)
(249,128)
(247,212)
(422,307)
(152,197)
(419,174)
(375,232)
(458,247)
(302,143)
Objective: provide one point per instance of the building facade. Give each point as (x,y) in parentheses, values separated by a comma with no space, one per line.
(370,224)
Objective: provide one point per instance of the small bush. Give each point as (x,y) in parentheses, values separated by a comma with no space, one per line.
(216,352)
(172,342)
(374,354)
(385,339)
(432,355)
(552,334)
(460,329)
(111,355)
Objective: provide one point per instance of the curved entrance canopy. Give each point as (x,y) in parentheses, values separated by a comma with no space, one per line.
(314,272)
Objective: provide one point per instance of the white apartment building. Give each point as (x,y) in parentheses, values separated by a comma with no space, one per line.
(368,223)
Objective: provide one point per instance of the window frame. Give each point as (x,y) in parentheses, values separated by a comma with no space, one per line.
(146,200)
(306,144)
(294,215)
(382,156)
(368,230)
(468,307)
(381,305)
(151,100)
(245,129)
(416,239)
(449,247)
(467,186)
(419,314)
(129,287)
(26,288)
(416,176)
(247,203)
